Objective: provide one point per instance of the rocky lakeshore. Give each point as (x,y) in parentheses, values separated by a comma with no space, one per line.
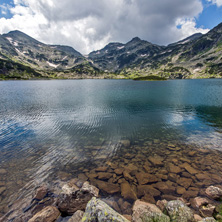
(81,202)
(156,174)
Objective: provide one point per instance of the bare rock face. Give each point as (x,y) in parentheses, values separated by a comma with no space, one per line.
(143,211)
(77,216)
(214,192)
(48,214)
(179,212)
(99,211)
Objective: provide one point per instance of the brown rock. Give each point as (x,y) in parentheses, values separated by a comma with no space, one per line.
(41,192)
(192,153)
(169,197)
(77,216)
(104,176)
(128,217)
(3,171)
(173,168)
(156,160)
(113,204)
(144,178)
(127,192)
(164,187)
(181,190)
(161,204)
(2,190)
(101,169)
(189,169)
(207,211)
(127,176)
(190,193)
(200,201)
(126,207)
(130,167)
(214,192)
(119,171)
(82,177)
(148,198)
(48,214)
(184,182)
(107,187)
(197,217)
(201,176)
(173,177)
(147,189)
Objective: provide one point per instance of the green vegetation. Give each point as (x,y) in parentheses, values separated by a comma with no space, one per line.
(150,78)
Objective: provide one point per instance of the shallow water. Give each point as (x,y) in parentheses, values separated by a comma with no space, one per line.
(57,130)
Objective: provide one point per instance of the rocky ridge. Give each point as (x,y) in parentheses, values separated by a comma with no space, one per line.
(198,56)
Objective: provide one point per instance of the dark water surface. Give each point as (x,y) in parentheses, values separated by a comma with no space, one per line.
(58,130)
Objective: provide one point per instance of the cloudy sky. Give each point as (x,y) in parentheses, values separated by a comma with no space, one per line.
(89,25)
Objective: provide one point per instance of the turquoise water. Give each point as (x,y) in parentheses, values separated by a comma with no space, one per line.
(47,126)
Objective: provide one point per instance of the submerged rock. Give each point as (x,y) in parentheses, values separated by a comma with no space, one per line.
(156,160)
(127,192)
(99,211)
(179,212)
(108,187)
(144,178)
(48,214)
(41,192)
(146,212)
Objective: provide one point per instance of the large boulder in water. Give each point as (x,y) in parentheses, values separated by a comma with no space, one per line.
(97,210)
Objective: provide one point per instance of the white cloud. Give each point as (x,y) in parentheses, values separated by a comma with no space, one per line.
(217,2)
(90,24)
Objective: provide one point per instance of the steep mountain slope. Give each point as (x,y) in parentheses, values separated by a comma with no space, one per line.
(198,56)
(14,70)
(116,56)
(23,48)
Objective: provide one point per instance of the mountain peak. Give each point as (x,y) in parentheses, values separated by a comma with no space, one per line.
(135,39)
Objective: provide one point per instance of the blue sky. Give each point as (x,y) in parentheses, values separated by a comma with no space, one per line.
(89,25)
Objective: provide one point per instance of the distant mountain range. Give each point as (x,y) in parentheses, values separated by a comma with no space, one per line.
(198,56)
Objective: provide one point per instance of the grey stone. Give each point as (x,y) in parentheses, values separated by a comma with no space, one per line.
(99,211)
(179,212)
